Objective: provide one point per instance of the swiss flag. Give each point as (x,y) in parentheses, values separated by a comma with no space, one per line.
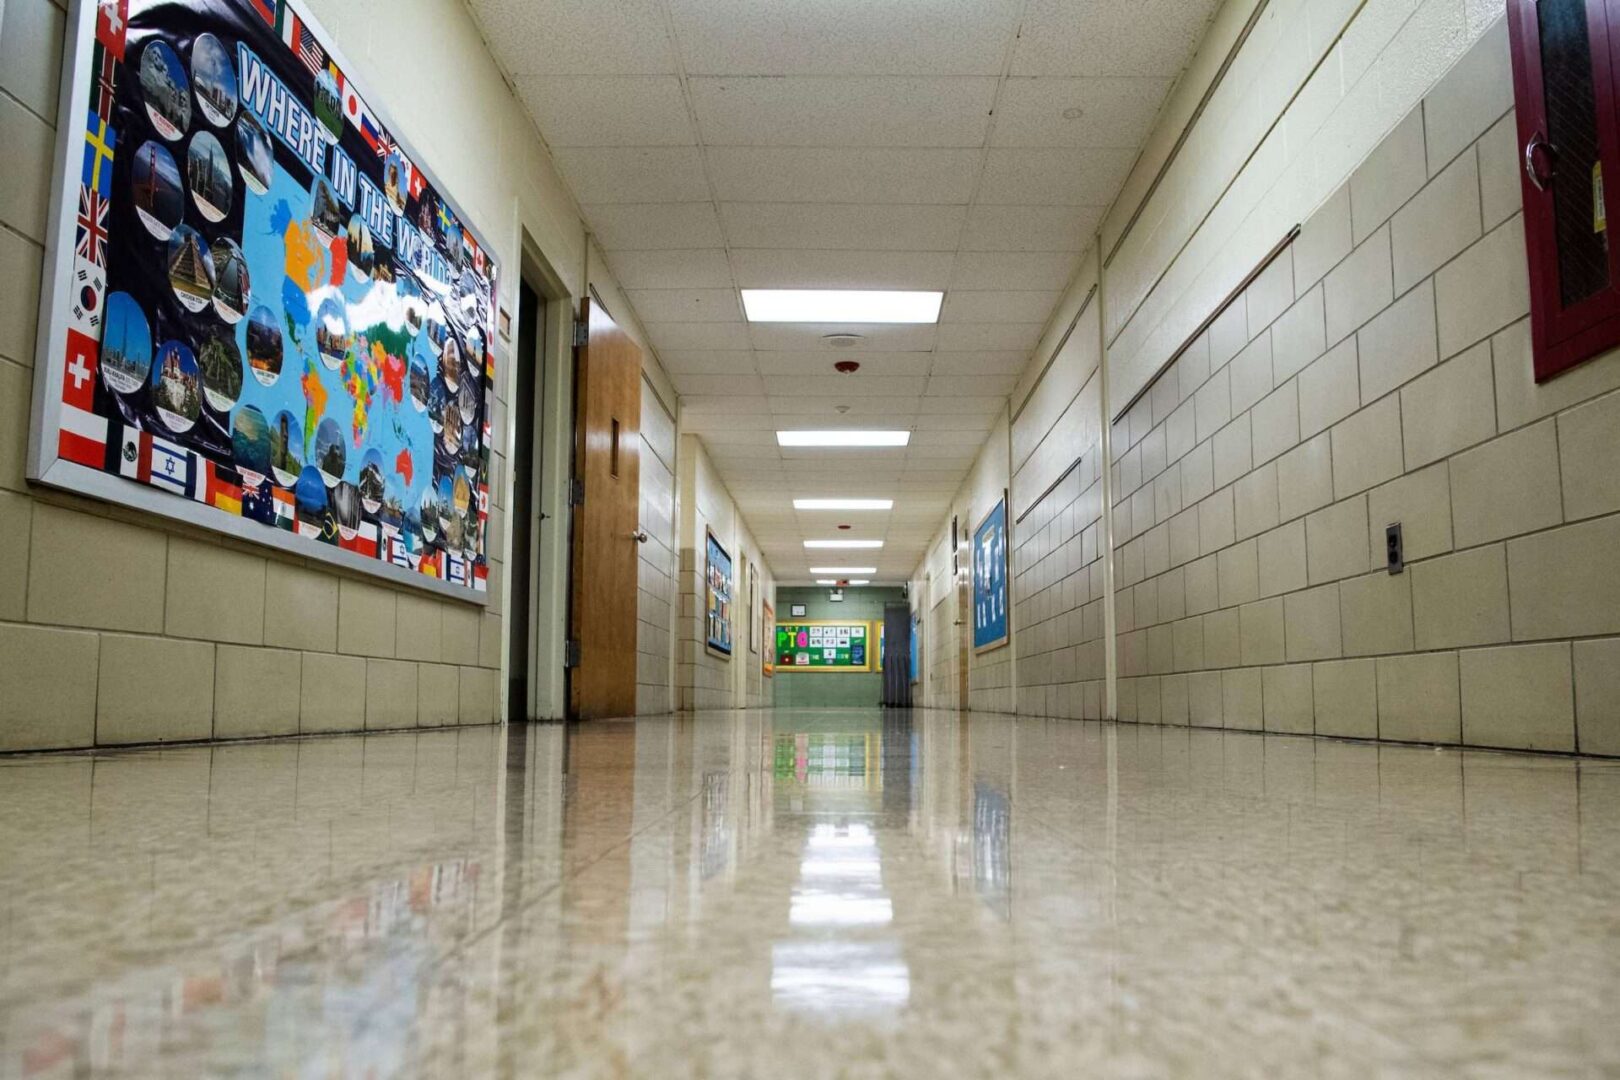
(112,23)
(79,375)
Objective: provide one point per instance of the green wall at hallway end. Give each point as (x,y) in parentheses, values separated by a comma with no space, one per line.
(827,689)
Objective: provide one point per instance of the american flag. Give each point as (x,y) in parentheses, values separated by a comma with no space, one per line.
(92,226)
(296,36)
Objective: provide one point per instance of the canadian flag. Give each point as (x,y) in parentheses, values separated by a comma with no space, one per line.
(83,435)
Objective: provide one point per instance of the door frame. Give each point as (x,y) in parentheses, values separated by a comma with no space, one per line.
(549,540)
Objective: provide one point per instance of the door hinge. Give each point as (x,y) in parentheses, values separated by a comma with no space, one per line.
(582,334)
(571,651)
(576,492)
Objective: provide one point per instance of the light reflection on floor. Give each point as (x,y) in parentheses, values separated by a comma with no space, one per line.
(803,893)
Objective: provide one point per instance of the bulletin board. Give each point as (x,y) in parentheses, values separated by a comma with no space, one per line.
(824,646)
(261,314)
(718,603)
(768,621)
(990,580)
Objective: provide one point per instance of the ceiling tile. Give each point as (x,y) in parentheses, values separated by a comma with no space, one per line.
(707,362)
(759,440)
(971,385)
(1110,37)
(1037,270)
(997,306)
(698,404)
(638,174)
(577,37)
(825,407)
(811,337)
(1054,177)
(989,337)
(960,406)
(619,110)
(698,385)
(696,421)
(655,226)
(946,422)
(1030,228)
(843,174)
(845,385)
(843,227)
(690,268)
(777,268)
(842,112)
(836,37)
(686,305)
(679,336)
(1114,112)
(980,363)
(822,360)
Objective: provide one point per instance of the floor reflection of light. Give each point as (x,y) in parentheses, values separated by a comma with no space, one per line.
(836,909)
(839,977)
(835,964)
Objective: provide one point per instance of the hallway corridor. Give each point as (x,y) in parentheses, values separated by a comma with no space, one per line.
(775,893)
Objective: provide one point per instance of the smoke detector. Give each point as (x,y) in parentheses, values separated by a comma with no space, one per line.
(842,341)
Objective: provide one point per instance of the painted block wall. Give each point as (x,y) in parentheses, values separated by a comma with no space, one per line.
(703,679)
(1378,371)
(851,689)
(658,559)
(120,628)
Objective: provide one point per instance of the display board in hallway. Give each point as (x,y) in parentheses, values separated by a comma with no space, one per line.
(823,646)
(263,316)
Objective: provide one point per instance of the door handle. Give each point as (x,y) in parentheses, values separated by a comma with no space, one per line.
(640,536)
(1532,161)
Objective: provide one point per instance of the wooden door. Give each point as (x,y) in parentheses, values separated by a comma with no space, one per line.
(607,506)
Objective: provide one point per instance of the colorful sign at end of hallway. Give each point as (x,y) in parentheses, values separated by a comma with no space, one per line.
(824,646)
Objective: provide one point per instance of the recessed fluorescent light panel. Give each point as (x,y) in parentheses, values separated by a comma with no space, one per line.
(843,504)
(843,438)
(850,544)
(842,571)
(862,581)
(841,306)
(826,581)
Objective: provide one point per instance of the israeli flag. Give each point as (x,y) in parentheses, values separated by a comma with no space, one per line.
(172,468)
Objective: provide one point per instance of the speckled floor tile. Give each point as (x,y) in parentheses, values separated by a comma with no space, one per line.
(839,894)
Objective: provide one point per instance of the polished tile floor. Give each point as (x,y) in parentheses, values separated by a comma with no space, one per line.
(809,894)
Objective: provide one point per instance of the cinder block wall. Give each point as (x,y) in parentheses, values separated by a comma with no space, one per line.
(705,680)
(1380,371)
(118,627)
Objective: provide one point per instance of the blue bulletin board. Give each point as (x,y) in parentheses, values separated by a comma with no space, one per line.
(990,579)
(262,314)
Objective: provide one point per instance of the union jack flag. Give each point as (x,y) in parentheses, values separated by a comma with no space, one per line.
(386,146)
(91,232)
